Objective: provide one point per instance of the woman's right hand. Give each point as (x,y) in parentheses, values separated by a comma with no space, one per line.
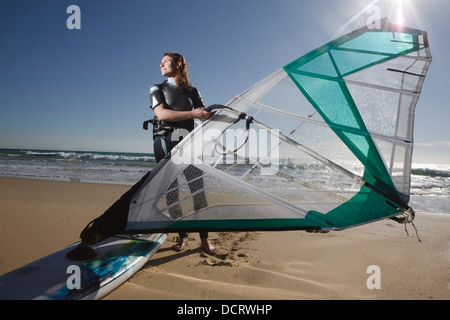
(201,113)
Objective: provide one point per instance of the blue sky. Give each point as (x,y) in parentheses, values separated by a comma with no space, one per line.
(87,89)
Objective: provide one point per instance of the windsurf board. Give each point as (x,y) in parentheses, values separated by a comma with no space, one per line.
(55,277)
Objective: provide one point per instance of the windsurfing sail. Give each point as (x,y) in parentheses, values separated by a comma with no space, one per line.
(323,143)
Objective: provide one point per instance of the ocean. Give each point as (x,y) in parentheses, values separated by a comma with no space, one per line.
(430,183)
(81,166)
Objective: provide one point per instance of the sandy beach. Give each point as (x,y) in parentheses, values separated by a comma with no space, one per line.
(38,217)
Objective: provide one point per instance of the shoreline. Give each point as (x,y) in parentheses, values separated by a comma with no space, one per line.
(38,217)
(78,180)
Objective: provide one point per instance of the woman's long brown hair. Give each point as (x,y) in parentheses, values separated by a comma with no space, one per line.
(182,74)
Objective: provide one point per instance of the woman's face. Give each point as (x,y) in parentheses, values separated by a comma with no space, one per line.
(168,67)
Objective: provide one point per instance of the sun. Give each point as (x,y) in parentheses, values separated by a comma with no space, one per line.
(400,18)
(401,12)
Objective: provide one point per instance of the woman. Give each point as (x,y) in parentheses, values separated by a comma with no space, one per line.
(176,103)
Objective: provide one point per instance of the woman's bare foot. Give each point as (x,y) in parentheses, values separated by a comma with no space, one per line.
(208,247)
(182,243)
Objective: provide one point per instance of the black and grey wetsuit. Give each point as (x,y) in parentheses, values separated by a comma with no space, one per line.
(165,140)
(172,98)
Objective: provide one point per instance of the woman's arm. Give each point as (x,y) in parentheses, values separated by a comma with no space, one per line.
(164,114)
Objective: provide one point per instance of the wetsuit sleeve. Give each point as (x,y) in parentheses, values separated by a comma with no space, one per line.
(156,96)
(197,100)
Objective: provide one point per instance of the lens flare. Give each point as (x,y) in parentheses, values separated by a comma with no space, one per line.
(400,18)
(403,12)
